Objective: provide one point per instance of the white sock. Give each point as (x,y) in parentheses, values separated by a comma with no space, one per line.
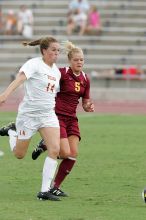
(72,158)
(49,169)
(12,138)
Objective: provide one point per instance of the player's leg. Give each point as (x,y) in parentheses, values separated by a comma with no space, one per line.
(70,136)
(21,148)
(64,153)
(51,136)
(42,148)
(74,145)
(67,164)
(18,147)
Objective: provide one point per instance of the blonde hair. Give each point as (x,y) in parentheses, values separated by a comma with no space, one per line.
(70,48)
(43,42)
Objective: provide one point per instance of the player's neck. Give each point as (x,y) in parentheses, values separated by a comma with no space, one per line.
(76,73)
(50,64)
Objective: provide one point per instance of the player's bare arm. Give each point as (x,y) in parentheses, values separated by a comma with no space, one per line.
(20,78)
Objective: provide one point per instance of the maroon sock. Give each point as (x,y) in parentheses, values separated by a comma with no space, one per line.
(64,169)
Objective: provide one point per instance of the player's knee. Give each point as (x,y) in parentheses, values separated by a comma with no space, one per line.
(65,153)
(54,151)
(19,155)
(74,153)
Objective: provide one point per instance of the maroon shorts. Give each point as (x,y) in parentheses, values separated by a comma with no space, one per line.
(68,126)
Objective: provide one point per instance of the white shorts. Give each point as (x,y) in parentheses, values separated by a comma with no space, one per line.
(27,126)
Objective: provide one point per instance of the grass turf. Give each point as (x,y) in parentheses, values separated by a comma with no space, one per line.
(105,184)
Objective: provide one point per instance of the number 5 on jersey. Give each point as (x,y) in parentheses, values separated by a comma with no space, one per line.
(77,86)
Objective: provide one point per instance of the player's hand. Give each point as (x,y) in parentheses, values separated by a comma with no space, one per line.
(2,98)
(89,107)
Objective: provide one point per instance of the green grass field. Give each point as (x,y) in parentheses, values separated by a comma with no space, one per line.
(105,184)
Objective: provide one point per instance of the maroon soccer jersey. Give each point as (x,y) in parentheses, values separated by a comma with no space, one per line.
(72,87)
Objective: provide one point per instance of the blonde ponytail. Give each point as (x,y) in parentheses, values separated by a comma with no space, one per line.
(70,48)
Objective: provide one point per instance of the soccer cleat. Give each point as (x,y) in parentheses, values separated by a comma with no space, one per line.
(58,192)
(144,195)
(47,196)
(4,130)
(39,150)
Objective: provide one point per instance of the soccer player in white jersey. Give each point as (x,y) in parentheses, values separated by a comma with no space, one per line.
(36,112)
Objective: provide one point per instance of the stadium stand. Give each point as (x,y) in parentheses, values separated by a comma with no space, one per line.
(122,42)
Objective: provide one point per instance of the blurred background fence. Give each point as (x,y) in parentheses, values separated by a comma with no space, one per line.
(115,58)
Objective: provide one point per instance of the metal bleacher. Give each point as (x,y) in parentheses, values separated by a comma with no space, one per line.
(122,42)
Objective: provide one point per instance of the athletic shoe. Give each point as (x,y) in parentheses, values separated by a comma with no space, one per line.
(39,150)
(4,130)
(47,196)
(58,192)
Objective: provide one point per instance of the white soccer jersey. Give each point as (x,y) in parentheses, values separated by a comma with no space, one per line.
(40,88)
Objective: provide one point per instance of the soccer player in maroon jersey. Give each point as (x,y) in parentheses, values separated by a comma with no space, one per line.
(74,84)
